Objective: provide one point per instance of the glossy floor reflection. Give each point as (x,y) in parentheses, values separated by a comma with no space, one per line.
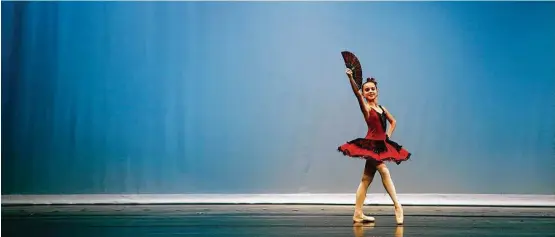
(271,220)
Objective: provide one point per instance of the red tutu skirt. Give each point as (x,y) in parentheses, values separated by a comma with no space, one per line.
(378,150)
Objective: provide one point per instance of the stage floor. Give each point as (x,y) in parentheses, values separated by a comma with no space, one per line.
(271,220)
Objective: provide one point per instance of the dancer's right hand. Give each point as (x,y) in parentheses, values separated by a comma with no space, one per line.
(349,72)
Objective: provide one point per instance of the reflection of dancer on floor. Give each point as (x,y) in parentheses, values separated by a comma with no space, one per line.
(375,148)
(360,228)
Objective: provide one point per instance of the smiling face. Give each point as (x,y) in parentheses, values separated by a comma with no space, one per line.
(370,91)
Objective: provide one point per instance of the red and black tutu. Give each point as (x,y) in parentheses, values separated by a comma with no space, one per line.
(378,150)
(376,145)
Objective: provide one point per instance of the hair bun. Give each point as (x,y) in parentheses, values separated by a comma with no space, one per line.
(372,80)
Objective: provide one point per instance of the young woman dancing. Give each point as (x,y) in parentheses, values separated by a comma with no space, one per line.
(375,148)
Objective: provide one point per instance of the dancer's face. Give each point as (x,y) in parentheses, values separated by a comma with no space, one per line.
(370,91)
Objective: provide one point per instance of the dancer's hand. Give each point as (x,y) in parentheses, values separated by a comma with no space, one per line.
(349,72)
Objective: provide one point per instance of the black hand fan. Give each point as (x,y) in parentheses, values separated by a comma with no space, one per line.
(352,62)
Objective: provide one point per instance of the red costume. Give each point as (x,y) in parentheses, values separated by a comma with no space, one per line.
(376,145)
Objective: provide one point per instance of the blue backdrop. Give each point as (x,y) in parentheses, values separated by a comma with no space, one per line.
(237,97)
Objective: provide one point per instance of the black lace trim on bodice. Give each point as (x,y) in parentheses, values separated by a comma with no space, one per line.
(383,119)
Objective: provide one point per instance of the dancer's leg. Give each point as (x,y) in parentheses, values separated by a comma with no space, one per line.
(367,177)
(390,187)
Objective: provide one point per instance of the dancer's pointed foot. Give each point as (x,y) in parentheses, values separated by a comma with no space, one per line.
(359,217)
(399,214)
